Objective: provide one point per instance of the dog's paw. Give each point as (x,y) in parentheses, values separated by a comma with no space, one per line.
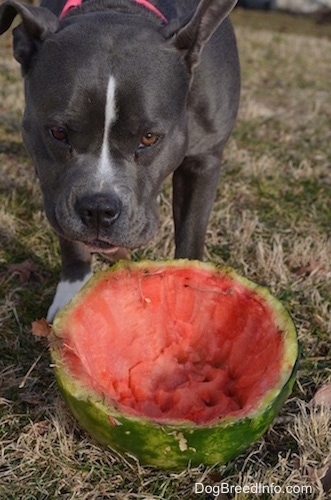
(65,291)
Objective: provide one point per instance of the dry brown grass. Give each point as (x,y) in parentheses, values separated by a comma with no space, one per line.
(271,222)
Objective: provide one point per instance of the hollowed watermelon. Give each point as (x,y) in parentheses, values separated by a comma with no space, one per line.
(175,363)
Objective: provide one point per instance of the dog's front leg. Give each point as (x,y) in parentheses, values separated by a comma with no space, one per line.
(194,190)
(76,270)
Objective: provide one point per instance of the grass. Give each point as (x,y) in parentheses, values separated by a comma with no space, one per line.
(271,221)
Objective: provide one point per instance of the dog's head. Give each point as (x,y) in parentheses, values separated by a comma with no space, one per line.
(106,117)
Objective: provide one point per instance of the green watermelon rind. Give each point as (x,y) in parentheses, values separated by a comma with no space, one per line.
(175,445)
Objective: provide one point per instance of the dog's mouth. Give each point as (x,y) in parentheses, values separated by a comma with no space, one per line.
(101,246)
(111,253)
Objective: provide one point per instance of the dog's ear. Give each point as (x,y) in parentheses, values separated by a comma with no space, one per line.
(191,33)
(37,24)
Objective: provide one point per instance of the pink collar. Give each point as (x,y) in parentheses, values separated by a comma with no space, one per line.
(70,4)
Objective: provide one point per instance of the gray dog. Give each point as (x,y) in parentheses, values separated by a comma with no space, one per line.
(120,94)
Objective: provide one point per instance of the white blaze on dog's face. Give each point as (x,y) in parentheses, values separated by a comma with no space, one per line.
(105,164)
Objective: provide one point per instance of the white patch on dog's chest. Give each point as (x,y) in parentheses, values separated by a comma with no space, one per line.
(105,162)
(65,291)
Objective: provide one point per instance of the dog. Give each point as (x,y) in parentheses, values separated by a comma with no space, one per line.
(119,95)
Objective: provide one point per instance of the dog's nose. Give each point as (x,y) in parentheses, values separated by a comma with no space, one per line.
(99,211)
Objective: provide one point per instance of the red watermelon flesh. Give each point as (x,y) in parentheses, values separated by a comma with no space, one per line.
(179,345)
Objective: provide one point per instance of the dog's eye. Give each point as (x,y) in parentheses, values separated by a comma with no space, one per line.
(148,139)
(59,134)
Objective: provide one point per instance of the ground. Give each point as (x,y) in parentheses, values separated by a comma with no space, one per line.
(271,222)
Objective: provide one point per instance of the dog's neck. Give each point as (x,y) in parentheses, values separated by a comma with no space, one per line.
(71,4)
